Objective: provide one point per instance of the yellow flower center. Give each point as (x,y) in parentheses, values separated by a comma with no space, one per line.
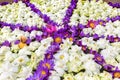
(99,59)
(61,56)
(116,75)
(58,40)
(100,23)
(71,39)
(47,65)
(20,60)
(92,25)
(43,72)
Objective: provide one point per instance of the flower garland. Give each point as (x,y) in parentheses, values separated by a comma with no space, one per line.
(53,51)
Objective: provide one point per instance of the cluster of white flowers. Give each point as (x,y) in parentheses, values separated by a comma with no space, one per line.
(92,10)
(110,28)
(18,61)
(71,63)
(110,51)
(18,64)
(7,34)
(20,13)
(54,9)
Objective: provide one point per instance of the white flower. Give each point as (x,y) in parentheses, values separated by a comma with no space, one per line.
(62,56)
(60,64)
(76,66)
(10,56)
(21,78)
(21,60)
(59,71)
(66,44)
(33,45)
(92,67)
(105,76)
(5,30)
(86,58)
(24,51)
(79,76)
(54,78)
(25,72)
(102,42)
(68,77)
(7,76)
(3,50)
(8,67)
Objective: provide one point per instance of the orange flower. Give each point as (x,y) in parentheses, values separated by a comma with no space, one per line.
(23,39)
(21,45)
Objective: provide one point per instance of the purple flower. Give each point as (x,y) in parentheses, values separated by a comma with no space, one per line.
(38,38)
(82,34)
(53,48)
(81,27)
(4,3)
(69,12)
(117,5)
(49,56)
(17,42)
(91,24)
(108,19)
(110,38)
(99,59)
(26,1)
(34,28)
(6,43)
(15,1)
(47,64)
(46,18)
(28,41)
(108,67)
(44,73)
(93,52)
(12,27)
(58,38)
(95,37)
(79,43)
(101,22)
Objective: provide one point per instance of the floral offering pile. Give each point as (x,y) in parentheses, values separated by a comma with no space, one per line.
(59,40)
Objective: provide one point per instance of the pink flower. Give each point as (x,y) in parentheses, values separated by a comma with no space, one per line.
(50,28)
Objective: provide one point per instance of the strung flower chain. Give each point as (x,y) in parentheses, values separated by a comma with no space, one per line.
(73,33)
(116,5)
(43,16)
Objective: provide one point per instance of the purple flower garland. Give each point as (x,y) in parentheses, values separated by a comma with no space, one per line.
(98,58)
(114,5)
(43,16)
(74,33)
(19,26)
(69,12)
(4,3)
(45,66)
